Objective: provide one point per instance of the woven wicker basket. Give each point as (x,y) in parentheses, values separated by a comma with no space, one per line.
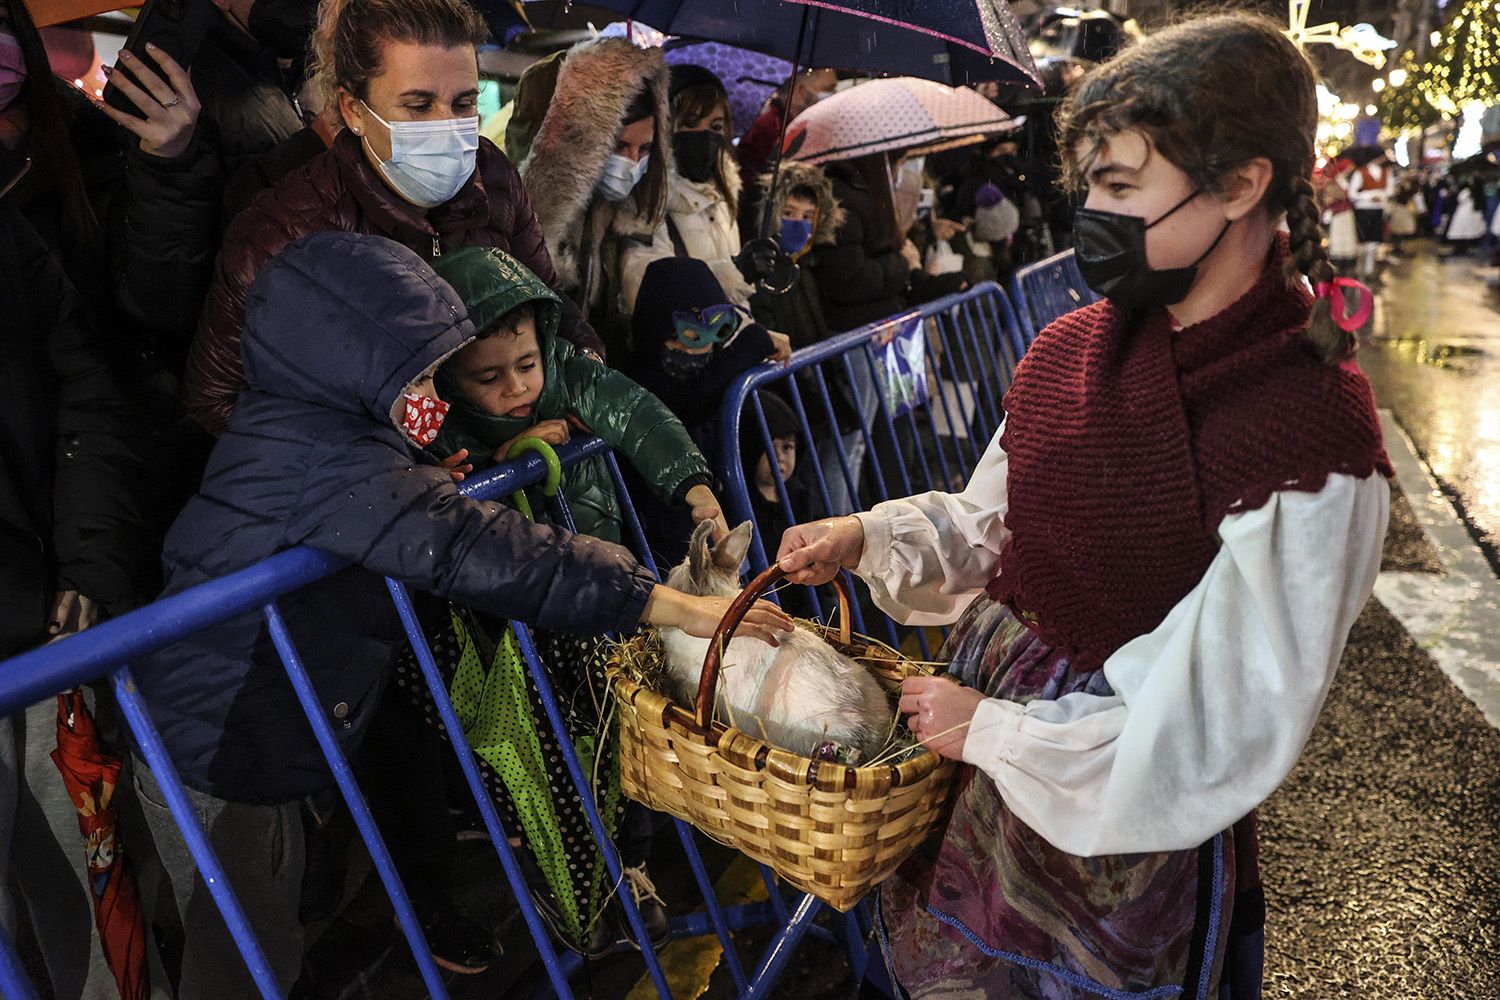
(829,829)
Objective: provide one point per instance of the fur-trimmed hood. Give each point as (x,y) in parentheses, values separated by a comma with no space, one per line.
(568,112)
(795,175)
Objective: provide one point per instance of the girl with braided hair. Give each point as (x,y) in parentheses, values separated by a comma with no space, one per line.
(1155,567)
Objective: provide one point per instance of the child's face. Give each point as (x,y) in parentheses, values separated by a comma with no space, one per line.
(799,210)
(1129,177)
(424,386)
(502,374)
(786,459)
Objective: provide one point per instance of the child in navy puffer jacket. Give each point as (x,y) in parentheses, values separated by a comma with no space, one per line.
(342,335)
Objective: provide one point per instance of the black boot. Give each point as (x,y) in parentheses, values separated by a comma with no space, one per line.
(653,910)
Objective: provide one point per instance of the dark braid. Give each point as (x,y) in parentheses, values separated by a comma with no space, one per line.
(1310,257)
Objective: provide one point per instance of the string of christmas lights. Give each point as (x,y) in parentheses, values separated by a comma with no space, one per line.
(1464,67)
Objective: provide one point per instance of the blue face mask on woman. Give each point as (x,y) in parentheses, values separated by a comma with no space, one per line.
(430,161)
(621,175)
(794,236)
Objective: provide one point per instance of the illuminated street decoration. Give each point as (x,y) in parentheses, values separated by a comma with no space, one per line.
(1403,104)
(1361,41)
(1465,63)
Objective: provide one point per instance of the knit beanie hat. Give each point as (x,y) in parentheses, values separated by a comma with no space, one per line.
(781,421)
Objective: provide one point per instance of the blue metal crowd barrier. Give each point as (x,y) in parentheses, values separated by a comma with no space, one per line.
(968,343)
(969,346)
(109,648)
(1048,288)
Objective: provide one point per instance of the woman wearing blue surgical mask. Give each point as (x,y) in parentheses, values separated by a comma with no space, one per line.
(591,132)
(401,80)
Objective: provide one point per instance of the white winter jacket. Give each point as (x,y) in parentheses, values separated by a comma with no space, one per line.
(707,230)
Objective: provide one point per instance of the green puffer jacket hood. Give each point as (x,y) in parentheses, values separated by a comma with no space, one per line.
(636,424)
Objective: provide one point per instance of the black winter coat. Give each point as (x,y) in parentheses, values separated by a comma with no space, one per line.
(860,280)
(180,202)
(144,243)
(68,519)
(336,329)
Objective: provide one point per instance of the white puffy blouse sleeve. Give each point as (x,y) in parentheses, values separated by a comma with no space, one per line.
(1213,707)
(927,556)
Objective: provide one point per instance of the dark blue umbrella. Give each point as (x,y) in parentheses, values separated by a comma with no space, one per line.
(885,40)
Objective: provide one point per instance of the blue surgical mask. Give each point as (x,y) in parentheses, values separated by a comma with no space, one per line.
(430,161)
(621,175)
(795,235)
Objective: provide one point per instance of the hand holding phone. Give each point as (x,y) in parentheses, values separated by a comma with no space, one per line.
(166,106)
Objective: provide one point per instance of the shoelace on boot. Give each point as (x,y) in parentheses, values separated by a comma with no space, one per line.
(641,886)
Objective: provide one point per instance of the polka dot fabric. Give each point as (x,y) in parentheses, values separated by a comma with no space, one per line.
(502,713)
(900,113)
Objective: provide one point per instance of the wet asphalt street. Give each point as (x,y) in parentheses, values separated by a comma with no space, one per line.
(1435,362)
(1381,853)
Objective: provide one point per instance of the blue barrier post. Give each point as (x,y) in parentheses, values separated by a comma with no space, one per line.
(601,834)
(14,983)
(492,824)
(343,776)
(165,773)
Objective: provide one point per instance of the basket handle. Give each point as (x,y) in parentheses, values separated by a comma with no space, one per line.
(708,681)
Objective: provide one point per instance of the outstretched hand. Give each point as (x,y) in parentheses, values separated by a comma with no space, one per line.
(554,432)
(456,465)
(813,553)
(706,507)
(700,616)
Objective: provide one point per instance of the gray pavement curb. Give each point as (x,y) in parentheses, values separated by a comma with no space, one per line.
(1454,616)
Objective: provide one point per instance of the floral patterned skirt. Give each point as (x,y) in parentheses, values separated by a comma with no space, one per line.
(991,910)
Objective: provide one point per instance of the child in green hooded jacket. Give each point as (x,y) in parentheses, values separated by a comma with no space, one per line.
(520,379)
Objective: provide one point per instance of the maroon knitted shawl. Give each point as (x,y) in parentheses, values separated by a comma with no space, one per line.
(1128,442)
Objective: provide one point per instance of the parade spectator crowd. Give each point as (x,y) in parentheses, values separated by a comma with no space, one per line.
(288,294)
(296,269)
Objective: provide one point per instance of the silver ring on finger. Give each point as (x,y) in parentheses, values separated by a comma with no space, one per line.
(172,103)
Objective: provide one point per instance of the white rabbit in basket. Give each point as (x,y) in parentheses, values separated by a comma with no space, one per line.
(798,695)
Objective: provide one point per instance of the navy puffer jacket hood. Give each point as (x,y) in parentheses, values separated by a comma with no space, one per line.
(383,319)
(337,327)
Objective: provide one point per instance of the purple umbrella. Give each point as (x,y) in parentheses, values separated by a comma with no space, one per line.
(750,77)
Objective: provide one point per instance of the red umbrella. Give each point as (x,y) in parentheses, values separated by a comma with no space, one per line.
(90,775)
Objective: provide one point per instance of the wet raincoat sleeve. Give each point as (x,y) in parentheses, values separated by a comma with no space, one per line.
(638,425)
(408,521)
(1213,707)
(927,556)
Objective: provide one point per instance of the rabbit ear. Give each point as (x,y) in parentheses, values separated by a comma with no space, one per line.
(730,553)
(699,557)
